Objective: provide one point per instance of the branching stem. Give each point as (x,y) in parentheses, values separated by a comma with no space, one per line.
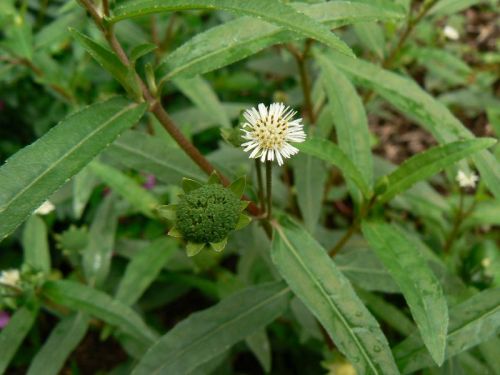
(155,105)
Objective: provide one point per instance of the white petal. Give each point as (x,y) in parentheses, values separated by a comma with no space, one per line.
(263,156)
(254,153)
(280,159)
(262,111)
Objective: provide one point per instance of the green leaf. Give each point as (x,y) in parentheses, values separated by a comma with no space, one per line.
(243,221)
(97,254)
(85,299)
(56,32)
(420,287)
(238,186)
(371,36)
(143,152)
(411,99)
(259,344)
(272,11)
(141,50)
(143,269)
(189,185)
(427,164)
(203,96)
(212,49)
(219,246)
(12,336)
(110,62)
(36,245)
(447,7)
(365,270)
(310,177)
(191,248)
(83,185)
(206,334)
(316,280)
(33,174)
(390,314)
(127,187)
(63,339)
(472,322)
(490,350)
(350,120)
(18,37)
(330,152)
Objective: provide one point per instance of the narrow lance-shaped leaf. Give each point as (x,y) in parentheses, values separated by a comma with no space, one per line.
(212,49)
(330,152)
(109,61)
(63,339)
(350,120)
(208,333)
(315,279)
(271,11)
(143,152)
(126,186)
(143,269)
(36,245)
(97,254)
(203,96)
(12,336)
(472,322)
(426,164)
(82,298)
(420,287)
(411,99)
(310,176)
(35,172)
(388,313)
(365,270)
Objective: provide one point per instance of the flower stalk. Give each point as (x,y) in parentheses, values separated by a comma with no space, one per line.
(269,188)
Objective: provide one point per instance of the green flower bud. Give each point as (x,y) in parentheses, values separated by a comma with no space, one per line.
(208,214)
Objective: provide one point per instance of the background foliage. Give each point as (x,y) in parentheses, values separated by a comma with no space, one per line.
(378,261)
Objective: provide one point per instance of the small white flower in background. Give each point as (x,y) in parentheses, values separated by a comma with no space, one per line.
(451,33)
(467,180)
(269,132)
(10,278)
(486,262)
(46,208)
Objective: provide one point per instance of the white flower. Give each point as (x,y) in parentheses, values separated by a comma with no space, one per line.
(451,33)
(486,262)
(467,181)
(269,132)
(46,208)
(10,278)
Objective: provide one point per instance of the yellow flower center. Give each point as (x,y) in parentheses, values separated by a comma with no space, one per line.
(270,132)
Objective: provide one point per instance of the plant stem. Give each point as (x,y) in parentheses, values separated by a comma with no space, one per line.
(410,26)
(105,7)
(260,185)
(156,107)
(305,82)
(354,227)
(345,238)
(269,185)
(407,31)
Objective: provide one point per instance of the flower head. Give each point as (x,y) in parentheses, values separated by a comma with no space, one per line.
(206,214)
(467,180)
(269,131)
(46,208)
(10,278)
(451,33)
